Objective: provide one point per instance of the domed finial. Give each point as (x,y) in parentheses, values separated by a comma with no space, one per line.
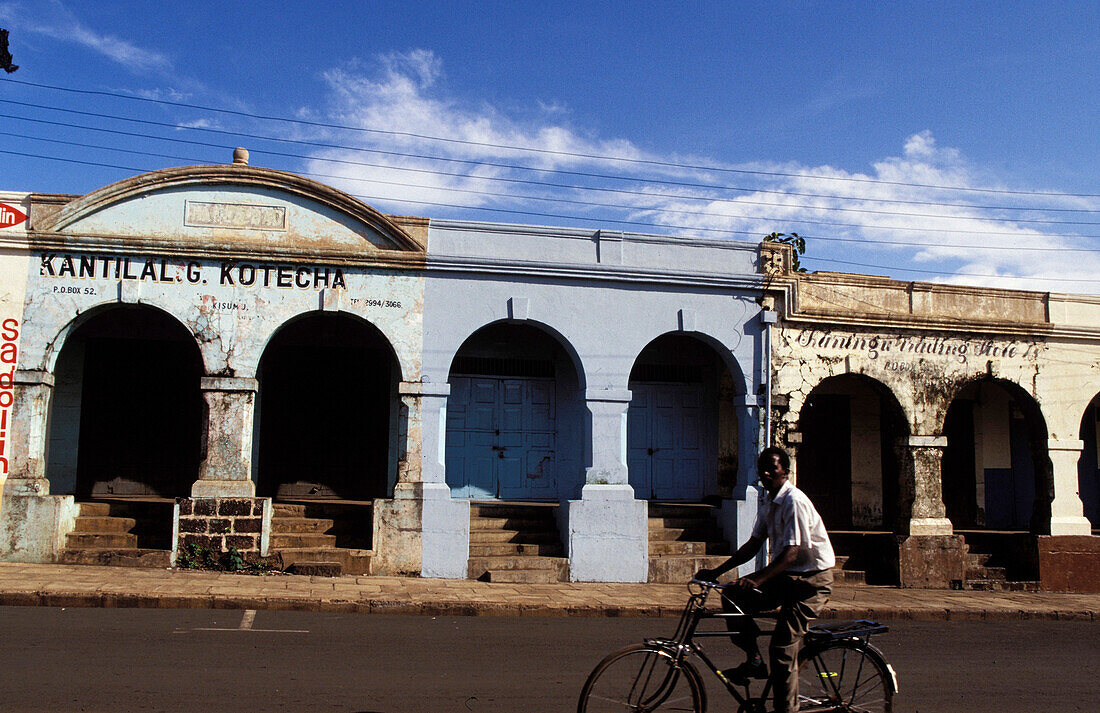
(240,156)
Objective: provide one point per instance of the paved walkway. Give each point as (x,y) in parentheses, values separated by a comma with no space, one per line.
(86,586)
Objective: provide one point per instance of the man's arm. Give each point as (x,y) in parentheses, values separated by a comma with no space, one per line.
(785,559)
(743,554)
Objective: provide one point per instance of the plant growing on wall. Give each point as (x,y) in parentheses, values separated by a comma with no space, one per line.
(795,241)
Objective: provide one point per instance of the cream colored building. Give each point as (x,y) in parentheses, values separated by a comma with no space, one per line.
(934,425)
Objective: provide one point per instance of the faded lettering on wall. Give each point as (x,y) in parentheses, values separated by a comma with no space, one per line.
(9,353)
(874,346)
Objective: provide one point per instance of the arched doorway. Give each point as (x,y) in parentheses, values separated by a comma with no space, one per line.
(126,417)
(326,413)
(515,422)
(1088,468)
(996,473)
(848,462)
(681,425)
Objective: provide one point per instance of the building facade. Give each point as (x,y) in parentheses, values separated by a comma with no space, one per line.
(227,340)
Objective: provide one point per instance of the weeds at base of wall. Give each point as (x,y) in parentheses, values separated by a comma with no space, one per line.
(199,557)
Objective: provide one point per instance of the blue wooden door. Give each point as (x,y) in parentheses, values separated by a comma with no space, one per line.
(668,448)
(500,438)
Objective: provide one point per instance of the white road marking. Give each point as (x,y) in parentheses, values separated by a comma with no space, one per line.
(247,619)
(246,625)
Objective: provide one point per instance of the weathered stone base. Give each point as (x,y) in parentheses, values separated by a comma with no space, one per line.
(1069,563)
(608,535)
(221,523)
(33,527)
(398,536)
(446,535)
(931,561)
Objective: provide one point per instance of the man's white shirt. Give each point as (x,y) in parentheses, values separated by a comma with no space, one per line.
(791,519)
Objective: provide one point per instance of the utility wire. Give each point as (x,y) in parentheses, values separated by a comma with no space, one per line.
(525,168)
(541,151)
(508,196)
(614,221)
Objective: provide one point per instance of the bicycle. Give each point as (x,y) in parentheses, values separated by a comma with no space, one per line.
(839,669)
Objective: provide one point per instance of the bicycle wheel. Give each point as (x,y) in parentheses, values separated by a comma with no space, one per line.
(844,675)
(641,678)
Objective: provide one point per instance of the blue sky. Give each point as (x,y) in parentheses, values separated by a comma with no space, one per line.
(940,141)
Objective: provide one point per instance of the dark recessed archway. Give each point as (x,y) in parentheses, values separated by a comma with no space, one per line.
(326,413)
(996,471)
(126,417)
(848,462)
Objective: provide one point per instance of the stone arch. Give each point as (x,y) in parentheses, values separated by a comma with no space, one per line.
(126,414)
(517,427)
(327,411)
(684,427)
(850,460)
(997,473)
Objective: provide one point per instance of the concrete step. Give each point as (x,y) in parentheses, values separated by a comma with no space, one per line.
(536,569)
(680,534)
(657,523)
(122,557)
(516,549)
(545,511)
(692,510)
(103,523)
(521,576)
(296,525)
(351,561)
(849,576)
(302,541)
(993,585)
(94,509)
(675,547)
(678,569)
(101,540)
(531,538)
(512,523)
(993,574)
(288,510)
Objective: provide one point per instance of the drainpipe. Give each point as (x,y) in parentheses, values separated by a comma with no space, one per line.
(767,318)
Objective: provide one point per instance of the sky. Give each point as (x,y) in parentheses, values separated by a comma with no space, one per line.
(951,142)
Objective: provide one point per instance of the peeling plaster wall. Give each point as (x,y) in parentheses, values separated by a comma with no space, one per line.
(13,285)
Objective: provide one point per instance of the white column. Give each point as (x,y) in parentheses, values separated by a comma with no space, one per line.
(928,516)
(1067,512)
(608,536)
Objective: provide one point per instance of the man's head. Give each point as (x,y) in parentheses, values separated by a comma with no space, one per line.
(772,467)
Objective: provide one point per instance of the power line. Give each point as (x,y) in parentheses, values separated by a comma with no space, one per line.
(623,222)
(510,166)
(613,206)
(531,149)
(572,154)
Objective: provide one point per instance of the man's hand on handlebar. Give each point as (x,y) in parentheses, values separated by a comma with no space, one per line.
(706,575)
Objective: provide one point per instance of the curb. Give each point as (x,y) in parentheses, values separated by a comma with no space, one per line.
(440,608)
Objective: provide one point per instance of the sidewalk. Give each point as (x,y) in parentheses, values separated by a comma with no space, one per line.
(86,586)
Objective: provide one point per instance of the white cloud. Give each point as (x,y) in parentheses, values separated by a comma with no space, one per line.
(53,19)
(939,232)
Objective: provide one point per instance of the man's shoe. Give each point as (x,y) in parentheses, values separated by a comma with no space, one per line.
(740,675)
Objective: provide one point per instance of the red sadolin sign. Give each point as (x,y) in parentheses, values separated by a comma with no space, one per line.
(10,216)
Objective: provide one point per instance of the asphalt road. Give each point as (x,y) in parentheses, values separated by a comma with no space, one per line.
(230,661)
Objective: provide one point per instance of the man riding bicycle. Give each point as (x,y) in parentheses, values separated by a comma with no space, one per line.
(798,580)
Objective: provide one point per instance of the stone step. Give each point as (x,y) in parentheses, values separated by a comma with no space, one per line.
(512,523)
(657,523)
(101,540)
(995,574)
(316,569)
(531,538)
(993,585)
(103,523)
(694,510)
(516,549)
(95,509)
(308,525)
(302,540)
(849,576)
(287,510)
(521,576)
(688,547)
(351,561)
(679,534)
(521,510)
(548,569)
(122,557)
(679,569)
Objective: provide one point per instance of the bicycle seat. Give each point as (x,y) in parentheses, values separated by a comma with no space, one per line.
(846,629)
